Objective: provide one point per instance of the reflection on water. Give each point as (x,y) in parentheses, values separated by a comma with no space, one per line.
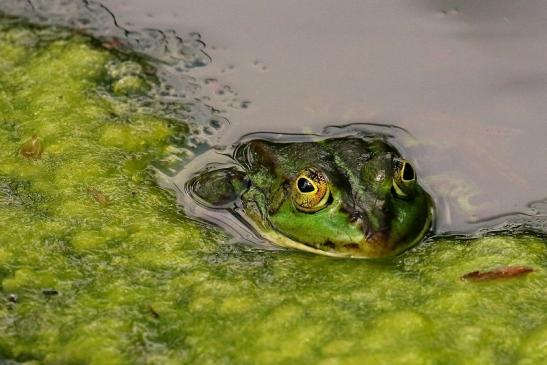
(468,79)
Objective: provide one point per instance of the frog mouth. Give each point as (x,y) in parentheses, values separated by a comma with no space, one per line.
(375,244)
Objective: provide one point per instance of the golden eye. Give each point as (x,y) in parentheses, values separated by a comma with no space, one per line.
(404,178)
(310,190)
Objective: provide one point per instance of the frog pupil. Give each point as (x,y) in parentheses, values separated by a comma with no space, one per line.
(408,172)
(304,185)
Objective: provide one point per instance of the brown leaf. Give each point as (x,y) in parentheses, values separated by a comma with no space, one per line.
(506,272)
(99,196)
(33,148)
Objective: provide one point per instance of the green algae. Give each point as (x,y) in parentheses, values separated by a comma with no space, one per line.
(98,266)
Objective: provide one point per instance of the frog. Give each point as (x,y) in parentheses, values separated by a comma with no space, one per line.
(354,197)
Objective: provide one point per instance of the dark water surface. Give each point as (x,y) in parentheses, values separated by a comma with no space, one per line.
(467,79)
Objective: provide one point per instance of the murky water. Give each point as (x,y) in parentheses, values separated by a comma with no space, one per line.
(467,79)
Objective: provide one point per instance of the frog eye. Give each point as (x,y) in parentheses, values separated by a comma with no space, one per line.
(310,190)
(404,178)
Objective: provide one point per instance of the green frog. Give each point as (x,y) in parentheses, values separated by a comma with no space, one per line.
(345,196)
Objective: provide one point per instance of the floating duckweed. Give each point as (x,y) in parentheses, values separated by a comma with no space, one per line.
(138,282)
(5,256)
(29,280)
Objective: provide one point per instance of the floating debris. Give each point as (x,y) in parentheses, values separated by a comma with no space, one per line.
(50,292)
(99,196)
(506,272)
(33,148)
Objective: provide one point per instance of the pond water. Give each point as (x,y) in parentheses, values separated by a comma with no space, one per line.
(467,79)
(98,265)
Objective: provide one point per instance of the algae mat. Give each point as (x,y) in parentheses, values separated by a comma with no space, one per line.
(98,266)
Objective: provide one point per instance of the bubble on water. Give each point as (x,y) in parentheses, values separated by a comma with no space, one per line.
(261,66)
(215,123)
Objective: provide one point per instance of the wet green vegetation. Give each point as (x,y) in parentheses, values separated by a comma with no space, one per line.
(98,265)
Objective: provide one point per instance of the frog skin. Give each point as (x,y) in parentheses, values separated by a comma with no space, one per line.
(346,197)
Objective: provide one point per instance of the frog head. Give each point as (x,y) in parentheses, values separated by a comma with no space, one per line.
(351,197)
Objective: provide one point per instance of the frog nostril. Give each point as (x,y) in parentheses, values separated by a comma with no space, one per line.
(354,216)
